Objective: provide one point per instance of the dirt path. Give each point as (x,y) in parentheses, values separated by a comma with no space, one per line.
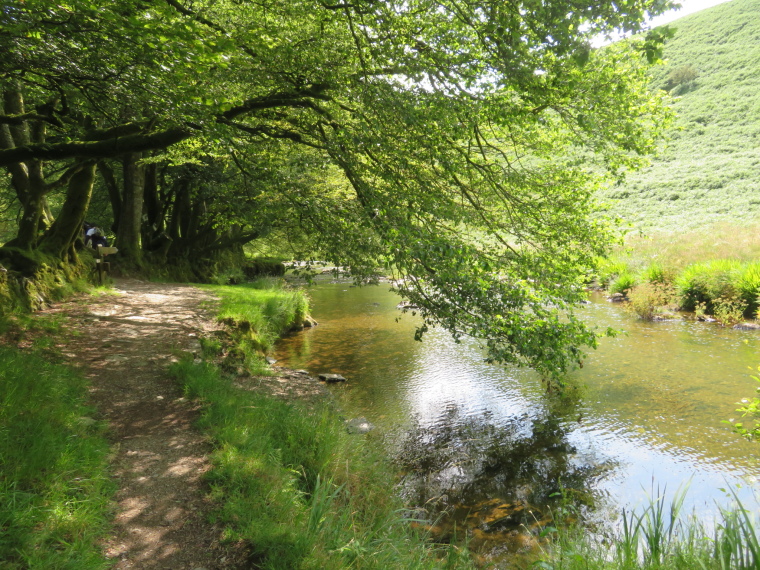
(125,343)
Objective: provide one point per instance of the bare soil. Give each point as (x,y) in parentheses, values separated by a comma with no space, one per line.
(124,344)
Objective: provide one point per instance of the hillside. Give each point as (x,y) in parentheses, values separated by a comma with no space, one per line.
(709,170)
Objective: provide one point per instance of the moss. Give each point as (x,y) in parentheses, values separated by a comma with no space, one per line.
(22,291)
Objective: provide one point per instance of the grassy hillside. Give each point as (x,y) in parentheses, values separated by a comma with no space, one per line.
(709,171)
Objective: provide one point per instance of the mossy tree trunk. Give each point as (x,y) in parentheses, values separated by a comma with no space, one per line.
(59,241)
(27,178)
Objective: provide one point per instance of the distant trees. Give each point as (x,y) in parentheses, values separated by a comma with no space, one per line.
(440,138)
(682,75)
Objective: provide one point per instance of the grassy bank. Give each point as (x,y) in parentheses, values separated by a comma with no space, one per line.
(55,491)
(713,271)
(288,478)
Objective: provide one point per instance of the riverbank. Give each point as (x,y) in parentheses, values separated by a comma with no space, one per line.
(713,273)
(288,479)
(290,487)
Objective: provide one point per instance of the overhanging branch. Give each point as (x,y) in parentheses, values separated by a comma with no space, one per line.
(98,149)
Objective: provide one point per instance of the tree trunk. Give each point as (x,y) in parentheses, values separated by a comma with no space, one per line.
(66,229)
(128,238)
(113,192)
(27,178)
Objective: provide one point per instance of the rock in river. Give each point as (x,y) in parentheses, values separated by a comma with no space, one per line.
(359,425)
(331,378)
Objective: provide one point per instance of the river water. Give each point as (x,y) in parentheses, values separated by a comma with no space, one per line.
(472,437)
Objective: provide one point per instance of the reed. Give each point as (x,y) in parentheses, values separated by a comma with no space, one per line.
(661,537)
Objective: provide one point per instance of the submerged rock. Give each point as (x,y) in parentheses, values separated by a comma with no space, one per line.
(747,326)
(359,425)
(331,378)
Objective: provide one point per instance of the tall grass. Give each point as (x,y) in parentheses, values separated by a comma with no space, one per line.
(298,489)
(262,308)
(714,270)
(288,479)
(661,537)
(54,486)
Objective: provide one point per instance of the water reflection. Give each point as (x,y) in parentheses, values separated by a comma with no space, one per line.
(472,433)
(461,462)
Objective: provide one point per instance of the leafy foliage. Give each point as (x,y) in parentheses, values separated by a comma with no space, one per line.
(458,144)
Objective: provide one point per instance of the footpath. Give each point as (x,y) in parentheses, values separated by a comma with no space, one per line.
(124,344)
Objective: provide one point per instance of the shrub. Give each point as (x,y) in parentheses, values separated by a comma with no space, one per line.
(657,273)
(680,76)
(749,287)
(259,266)
(622,283)
(607,269)
(729,310)
(707,282)
(648,299)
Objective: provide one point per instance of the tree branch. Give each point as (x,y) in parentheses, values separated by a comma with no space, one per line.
(96,149)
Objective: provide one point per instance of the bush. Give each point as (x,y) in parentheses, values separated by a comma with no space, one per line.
(622,283)
(607,269)
(680,76)
(707,282)
(260,266)
(749,288)
(729,310)
(648,299)
(657,273)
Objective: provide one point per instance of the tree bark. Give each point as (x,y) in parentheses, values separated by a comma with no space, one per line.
(67,227)
(114,195)
(27,178)
(130,221)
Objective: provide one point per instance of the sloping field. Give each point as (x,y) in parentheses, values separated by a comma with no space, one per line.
(709,170)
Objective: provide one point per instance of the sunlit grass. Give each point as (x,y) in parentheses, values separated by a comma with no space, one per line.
(707,172)
(264,308)
(708,270)
(298,489)
(54,487)
(289,480)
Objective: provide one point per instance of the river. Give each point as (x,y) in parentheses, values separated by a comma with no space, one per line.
(646,418)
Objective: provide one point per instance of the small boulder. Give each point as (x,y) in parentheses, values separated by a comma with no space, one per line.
(331,378)
(746,326)
(270,360)
(359,425)
(616,298)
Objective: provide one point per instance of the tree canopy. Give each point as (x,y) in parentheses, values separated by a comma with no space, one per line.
(456,142)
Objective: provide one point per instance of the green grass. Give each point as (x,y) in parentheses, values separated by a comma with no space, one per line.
(659,537)
(55,490)
(298,489)
(715,269)
(708,172)
(288,479)
(262,308)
